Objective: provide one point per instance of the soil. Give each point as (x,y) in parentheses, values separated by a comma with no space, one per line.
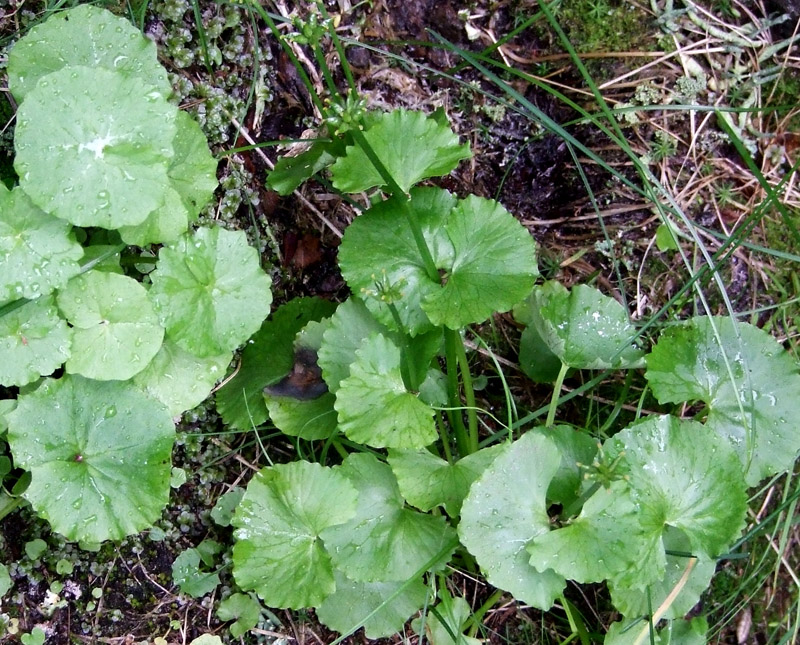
(532,173)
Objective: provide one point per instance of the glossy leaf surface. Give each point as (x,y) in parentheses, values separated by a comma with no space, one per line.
(353,601)
(105,40)
(486,260)
(676,474)
(93,147)
(278,551)
(383,541)
(411,145)
(506,509)
(373,404)
(210,291)
(116,332)
(747,380)
(427,481)
(38,251)
(99,453)
(34,341)
(584,328)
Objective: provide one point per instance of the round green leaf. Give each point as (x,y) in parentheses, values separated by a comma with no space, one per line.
(89,36)
(181,380)
(584,328)
(672,473)
(99,454)
(492,269)
(242,608)
(115,329)
(210,291)
(353,601)
(374,406)
(411,145)
(384,541)
(684,475)
(747,380)
(34,341)
(427,481)
(278,552)
(506,509)
(93,147)
(38,251)
(379,247)
(486,260)
(188,576)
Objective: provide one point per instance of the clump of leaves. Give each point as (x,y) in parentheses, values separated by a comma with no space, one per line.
(104,360)
(650,511)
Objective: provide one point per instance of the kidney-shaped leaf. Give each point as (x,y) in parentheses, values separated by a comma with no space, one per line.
(426,481)
(584,328)
(38,251)
(99,456)
(748,381)
(410,145)
(684,475)
(373,404)
(34,341)
(505,510)
(115,329)
(353,601)
(676,473)
(278,551)
(486,260)
(210,291)
(84,35)
(384,541)
(93,146)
